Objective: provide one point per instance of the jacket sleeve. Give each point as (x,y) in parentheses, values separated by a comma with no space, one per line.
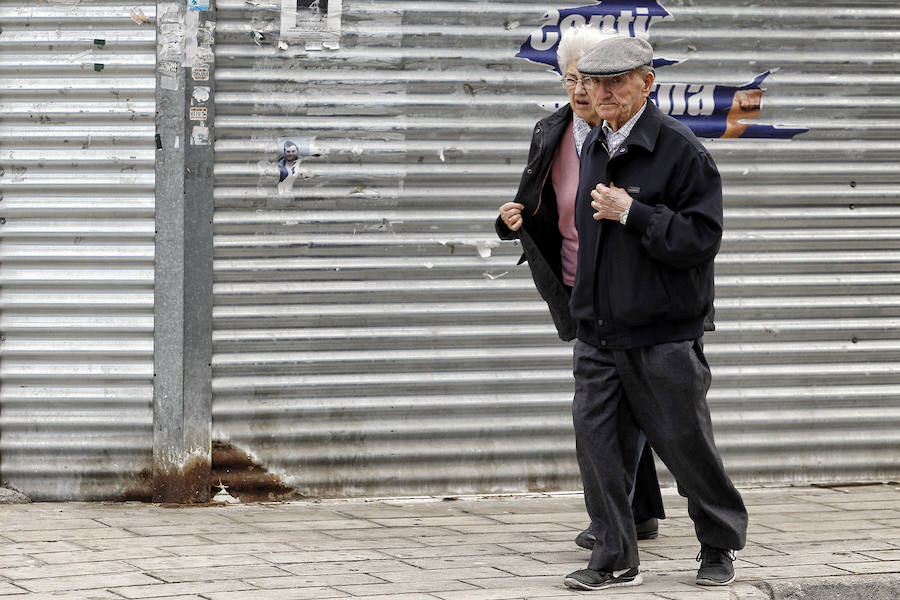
(686,231)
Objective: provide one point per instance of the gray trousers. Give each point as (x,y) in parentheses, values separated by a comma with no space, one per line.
(660,390)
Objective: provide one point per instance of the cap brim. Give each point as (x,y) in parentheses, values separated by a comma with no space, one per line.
(588,73)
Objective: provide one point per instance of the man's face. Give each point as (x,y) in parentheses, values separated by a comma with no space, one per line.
(290,153)
(617,99)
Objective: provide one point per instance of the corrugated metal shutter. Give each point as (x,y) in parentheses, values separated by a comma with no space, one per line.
(368,339)
(76,248)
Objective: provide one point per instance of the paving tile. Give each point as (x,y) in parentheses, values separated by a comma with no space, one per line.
(216,573)
(195,562)
(882,554)
(297,594)
(495,538)
(437,551)
(838,535)
(552,517)
(19,548)
(295,581)
(191,529)
(840,515)
(800,559)
(160,590)
(546,546)
(886,566)
(11,525)
(516,593)
(83,595)
(500,529)
(228,549)
(392,532)
(830,546)
(788,508)
(454,521)
(133,541)
(59,558)
(324,525)
(415,596)
(750,573)
(263,537)
(352,544)
(388,589)
(7,588)
(373,567)
(325,556)
(837,526)
(8,561)
(85,582)
(862,505)
(79,535)
(445,574)
(66,569)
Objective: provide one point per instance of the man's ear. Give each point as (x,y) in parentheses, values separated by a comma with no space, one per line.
(648,79)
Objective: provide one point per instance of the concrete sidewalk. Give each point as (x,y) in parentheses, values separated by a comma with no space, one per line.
(803,542)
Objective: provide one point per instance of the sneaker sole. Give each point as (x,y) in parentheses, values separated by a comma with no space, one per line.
(712,582)
(578,585)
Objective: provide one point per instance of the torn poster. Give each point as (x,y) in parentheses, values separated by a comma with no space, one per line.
(315,23)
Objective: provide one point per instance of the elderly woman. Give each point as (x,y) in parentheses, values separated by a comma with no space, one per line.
(542,218)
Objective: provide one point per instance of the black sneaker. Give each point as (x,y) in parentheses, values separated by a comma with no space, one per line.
(589,579)
(646,530)
(716,566)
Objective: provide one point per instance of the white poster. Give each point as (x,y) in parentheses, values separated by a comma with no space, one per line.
(311,22)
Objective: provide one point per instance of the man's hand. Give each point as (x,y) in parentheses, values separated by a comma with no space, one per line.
(511,213)
(610,202)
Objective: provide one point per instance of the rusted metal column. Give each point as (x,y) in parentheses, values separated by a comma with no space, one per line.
(182,397)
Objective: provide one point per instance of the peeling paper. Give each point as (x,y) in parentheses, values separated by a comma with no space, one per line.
(483,247)
(138,16)
(492,277)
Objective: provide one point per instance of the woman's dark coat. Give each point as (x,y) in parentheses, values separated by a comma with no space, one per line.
(539,234)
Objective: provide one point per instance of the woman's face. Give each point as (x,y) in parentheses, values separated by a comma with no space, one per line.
(578,97)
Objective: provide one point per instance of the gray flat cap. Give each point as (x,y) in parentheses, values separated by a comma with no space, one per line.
(615,55)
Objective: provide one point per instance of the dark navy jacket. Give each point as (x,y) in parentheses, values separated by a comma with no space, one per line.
(650,281)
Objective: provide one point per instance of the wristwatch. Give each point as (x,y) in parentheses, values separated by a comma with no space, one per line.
(624,216)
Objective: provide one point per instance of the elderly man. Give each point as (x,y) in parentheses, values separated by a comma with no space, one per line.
(649,219)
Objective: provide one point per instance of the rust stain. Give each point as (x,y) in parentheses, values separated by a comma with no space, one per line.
(187,485)
(199,481)
(244,478)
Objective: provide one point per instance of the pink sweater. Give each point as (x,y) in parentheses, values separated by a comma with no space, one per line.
(564,176)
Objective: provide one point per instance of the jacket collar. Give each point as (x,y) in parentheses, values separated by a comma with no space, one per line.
(560,118)
(646,130)
(644,133)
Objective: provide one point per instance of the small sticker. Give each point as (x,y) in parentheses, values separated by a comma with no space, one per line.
(200,72)
(200,135)
(200,94)
(198,4)
(198,113)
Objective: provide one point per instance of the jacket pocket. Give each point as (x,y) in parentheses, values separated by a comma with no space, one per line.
(638,296)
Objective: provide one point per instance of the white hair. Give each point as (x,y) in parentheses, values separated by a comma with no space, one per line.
(574,42)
